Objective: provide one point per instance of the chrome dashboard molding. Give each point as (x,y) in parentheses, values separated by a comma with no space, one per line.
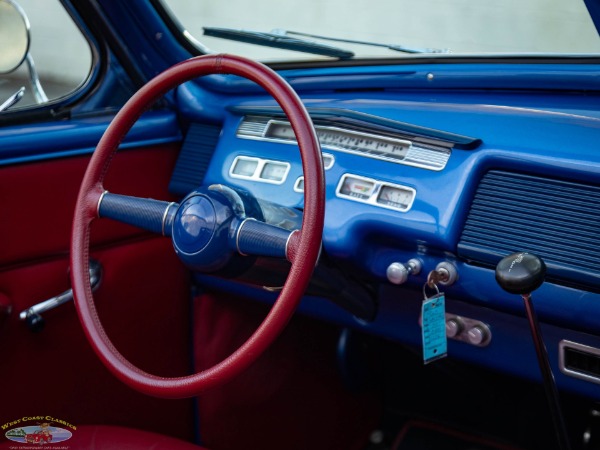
(374,195)
(260,165)
(356,120)
(299,185)
(328,160)
(418,154)
(562,363)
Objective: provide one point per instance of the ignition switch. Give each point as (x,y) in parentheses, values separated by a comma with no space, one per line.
(445,273)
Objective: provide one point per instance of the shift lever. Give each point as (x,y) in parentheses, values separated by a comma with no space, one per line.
(522,273)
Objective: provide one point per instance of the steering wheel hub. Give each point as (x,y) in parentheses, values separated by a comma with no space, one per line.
(194,225)
(201,231)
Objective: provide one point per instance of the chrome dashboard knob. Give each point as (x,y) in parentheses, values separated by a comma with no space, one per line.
(397,273)
(454,327)
(478,335)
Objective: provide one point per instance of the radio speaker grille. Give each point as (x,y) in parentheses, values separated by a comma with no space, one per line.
(554,219)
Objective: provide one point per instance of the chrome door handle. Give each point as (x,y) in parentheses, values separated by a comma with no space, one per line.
(32,316)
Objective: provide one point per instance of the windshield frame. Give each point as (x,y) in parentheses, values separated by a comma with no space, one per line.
(196,48)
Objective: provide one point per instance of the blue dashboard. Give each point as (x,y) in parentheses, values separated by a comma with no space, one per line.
(461,176)
(452,163)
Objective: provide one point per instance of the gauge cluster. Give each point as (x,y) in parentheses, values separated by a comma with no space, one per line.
(374,192)
(352,187)
(258,169)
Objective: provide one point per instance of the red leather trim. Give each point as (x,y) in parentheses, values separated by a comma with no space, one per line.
(144,303)
(39,199)
(308,247)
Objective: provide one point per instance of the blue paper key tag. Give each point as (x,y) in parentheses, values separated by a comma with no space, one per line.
(433,313)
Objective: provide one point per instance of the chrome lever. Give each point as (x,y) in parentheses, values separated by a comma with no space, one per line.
(32,315)
(10,101)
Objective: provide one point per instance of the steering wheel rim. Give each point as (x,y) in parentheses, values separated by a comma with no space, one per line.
(305,249)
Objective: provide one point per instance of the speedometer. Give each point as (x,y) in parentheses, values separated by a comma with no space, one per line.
(347,140)
(385,145)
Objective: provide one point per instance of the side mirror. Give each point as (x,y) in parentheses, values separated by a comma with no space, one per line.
(14,36)
(14,49)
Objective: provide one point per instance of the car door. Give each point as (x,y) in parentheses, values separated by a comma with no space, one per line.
(46,139)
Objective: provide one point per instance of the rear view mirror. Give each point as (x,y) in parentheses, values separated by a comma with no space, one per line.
(14,36)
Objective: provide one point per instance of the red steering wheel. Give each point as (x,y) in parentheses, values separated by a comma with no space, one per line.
(304,246)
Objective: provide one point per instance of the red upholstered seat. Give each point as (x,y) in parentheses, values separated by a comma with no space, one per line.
(102,437)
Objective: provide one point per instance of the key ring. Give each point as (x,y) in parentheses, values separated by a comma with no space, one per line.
(432,278)
(426,285)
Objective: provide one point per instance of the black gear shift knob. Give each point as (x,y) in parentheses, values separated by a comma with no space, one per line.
(520,273)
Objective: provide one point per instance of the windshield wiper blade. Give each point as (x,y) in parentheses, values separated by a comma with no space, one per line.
(395,47)
(277,41)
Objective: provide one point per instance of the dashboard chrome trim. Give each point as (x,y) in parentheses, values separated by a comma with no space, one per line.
(375,192)
(562,363)
(299,185)
(328,160)
(357,120)
(257,174)
(417,155)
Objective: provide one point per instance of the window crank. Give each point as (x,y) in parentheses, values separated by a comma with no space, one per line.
(32,316)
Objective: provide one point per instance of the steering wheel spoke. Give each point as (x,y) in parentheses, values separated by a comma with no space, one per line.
(262,239)
(146,213)
(194,228)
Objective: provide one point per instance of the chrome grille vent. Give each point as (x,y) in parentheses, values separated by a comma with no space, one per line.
(253,126)
(557,220)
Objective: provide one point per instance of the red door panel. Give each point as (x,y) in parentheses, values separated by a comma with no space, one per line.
(143,299)
(38,200)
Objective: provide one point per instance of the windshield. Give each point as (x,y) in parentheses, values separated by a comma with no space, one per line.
(460,27)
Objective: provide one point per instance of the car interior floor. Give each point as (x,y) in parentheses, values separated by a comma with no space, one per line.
(323,386)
